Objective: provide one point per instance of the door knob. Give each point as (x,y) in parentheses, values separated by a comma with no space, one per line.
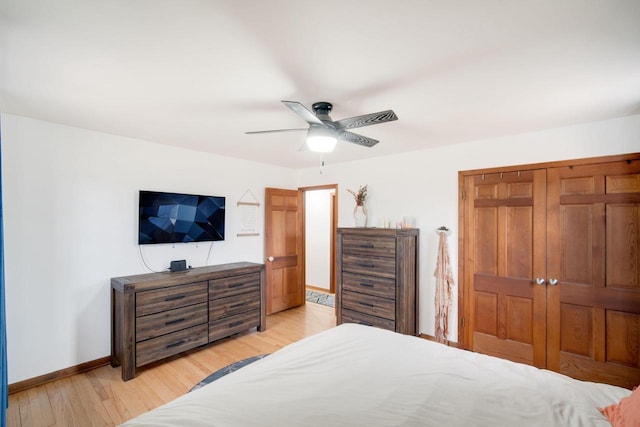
(553,281)
(539,281)
(270,259)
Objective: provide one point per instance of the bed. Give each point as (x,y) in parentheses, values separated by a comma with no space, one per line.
(354,375)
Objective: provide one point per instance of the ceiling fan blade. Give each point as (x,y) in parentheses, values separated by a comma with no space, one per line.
(276,130)
(303,112)
(366,120)
(357,139)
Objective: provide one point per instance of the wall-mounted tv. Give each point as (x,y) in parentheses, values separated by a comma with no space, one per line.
(180,218)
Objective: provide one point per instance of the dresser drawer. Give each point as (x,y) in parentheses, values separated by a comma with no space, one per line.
(374,246)
(349,316)
(369,304)
(229,286)
(368,265)
(378,286)
(165,322)
(234,305)
(227,326)
(154,301)
(170,344)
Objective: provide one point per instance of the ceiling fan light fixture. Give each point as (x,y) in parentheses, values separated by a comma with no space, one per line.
(321,144)
(321,141)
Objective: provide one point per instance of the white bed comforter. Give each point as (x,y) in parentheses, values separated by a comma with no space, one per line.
(355,375)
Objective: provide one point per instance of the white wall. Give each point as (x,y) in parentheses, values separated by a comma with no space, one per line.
(318,238)
(70,218)
(424,184)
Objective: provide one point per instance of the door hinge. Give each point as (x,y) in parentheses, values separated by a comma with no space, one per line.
(462,322)
(464,195)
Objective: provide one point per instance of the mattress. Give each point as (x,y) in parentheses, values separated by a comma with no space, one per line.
(355,375)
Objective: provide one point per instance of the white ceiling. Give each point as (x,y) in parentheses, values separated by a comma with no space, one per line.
(198,74)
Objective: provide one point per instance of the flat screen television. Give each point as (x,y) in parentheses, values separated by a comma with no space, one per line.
(180,218)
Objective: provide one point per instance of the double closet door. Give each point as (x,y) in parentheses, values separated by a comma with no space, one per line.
(550,266)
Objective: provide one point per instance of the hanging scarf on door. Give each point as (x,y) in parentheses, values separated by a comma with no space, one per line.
(444,285)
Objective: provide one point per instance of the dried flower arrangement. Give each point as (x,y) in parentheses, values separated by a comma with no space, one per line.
(360,196)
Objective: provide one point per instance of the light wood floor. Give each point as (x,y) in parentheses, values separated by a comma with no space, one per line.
(100,397)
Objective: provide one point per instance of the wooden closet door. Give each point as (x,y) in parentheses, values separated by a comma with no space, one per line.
(505,226)
(594,254)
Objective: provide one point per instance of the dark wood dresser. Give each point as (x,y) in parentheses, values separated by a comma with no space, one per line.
(157,315)
(377,278)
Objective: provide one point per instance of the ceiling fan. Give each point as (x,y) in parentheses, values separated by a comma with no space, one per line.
(323,133)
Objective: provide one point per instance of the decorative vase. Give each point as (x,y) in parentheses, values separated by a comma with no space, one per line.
(360,215)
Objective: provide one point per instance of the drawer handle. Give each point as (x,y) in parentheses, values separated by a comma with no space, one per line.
(238,323)
(175,344)
(367,245)
(367,265)
(240,304)
(236,285)
(173,322)
(366,304)
(370,285)
(174,298)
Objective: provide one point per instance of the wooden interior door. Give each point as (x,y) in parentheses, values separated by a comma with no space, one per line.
(283,249)
(594,254)
(505,226)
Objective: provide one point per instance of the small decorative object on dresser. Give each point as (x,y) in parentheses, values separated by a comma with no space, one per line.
(360,209)
(157,315)
(360,215)
(377,278)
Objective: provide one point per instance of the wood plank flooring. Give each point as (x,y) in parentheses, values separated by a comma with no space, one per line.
(100,397)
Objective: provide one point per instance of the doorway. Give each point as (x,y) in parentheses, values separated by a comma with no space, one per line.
(320,227)
(285,245)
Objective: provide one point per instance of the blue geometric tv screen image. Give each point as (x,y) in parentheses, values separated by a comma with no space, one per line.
(180,218)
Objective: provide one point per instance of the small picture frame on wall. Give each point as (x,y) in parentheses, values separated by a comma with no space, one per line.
(248,214)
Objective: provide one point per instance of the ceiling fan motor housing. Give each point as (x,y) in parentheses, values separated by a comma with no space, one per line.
(322,109)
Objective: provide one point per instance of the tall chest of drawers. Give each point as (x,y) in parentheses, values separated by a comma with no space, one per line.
(158,315)
(377,278)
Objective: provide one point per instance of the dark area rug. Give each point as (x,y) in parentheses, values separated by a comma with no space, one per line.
(227,370)
(321,298)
